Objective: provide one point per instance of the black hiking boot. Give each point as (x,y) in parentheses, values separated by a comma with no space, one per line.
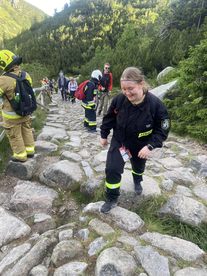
(30,155)
(18,160)
(138,188)
(108,205)
(92,130)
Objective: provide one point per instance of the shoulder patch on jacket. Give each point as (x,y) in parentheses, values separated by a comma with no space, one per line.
(165,124)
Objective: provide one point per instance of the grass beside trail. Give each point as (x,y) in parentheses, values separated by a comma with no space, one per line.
(40,116)
(148,211)
(5,153)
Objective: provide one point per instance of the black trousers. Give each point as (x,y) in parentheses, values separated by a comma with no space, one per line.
(90,118)
(71,96)
(64,94)
(115,167)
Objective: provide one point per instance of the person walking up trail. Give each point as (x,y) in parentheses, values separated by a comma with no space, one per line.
(88,103)
(72,86)
(105,88)
(18,128)
(140,123)
(62,86)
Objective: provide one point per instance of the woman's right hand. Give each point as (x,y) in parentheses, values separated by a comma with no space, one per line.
(104,142)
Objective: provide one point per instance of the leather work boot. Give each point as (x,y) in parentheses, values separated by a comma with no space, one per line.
(108,205)
(138,188)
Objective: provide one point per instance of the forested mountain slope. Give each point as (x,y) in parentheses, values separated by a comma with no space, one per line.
(16,16)
(151,34)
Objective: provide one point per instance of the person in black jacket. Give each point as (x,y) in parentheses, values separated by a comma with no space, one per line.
(88,103)
(140,123)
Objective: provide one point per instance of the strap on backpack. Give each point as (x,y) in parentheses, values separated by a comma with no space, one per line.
(22,77)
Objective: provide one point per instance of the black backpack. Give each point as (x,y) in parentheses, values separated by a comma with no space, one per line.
(24,102)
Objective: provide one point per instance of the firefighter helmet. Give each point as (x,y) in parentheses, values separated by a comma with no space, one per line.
(8,60)
(96,74)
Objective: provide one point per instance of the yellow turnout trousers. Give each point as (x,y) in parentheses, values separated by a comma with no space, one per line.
(21,139)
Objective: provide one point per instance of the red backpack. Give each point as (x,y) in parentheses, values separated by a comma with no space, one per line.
(79,93)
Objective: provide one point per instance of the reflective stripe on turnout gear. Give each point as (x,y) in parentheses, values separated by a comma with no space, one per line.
(89,105)
(1,92)
(21,155)
(10,115)
(112,186)
(30,149)
(92,123)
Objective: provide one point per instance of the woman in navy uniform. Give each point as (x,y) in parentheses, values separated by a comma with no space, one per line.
(140,123)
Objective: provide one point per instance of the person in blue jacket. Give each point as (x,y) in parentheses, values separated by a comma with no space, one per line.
(140,123)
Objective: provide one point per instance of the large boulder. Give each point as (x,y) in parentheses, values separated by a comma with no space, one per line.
(164,73)
(63,174)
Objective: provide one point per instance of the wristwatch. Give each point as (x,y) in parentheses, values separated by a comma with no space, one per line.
(150,147)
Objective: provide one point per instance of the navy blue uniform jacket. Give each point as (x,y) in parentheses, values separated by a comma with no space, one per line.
(135,126)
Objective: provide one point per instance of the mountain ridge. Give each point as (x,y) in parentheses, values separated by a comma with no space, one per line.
(17,16)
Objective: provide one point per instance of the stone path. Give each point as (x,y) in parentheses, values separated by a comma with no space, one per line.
(45,231)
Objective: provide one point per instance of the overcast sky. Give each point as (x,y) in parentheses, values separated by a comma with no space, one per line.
(48,6)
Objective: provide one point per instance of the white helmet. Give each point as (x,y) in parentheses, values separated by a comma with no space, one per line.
(96,74)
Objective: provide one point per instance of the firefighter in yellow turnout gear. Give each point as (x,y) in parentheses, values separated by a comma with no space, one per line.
(18,129)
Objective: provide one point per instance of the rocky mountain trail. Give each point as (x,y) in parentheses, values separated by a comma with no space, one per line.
(50,220)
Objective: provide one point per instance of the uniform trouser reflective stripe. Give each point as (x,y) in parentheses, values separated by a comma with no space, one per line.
(112,186)
(133,172)
(30,149)
(138,166)
(21,155)
(20,136)
(90,115)
(90,123)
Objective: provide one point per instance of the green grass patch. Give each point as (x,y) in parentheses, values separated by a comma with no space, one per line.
(5,153)
(80,198)
(39,120)
(148,211)
(99,194)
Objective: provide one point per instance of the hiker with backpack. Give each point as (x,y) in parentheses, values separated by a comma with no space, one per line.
(62,85)
(18,104)
(105,88)
(140,123)
(88,101)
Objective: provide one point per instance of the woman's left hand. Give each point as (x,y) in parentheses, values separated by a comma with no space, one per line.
(144,153)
